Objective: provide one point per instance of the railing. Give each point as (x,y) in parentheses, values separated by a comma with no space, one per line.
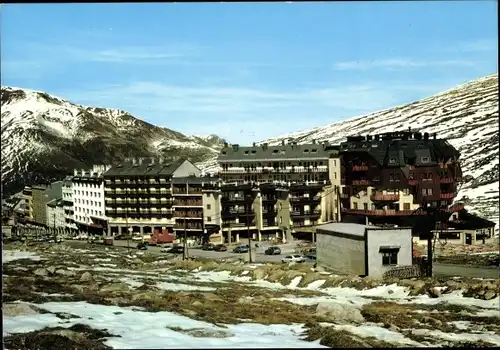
(412,182)
(447,195)
(446,180)
(181,227)
(384,197)
(180,203)
(380,212)
(304,199)
(179,214)
(359,167)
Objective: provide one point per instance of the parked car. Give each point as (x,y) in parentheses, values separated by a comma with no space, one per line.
(178,249)
(208,246)
(142,246)
(293,258)
(273,251)
(241,249)
(220,248)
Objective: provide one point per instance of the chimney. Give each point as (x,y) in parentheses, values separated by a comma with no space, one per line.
(265,145)
(134,161)
(152,161)
(314,142)
(236,147)
(282,142)
(160,160)
(225,144)
(434,135)
(409,129)
(75,172)
(253,144)
(426,136)
(141,160)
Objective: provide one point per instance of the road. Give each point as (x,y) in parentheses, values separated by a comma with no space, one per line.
(259,256)
(439,270)
(449,270)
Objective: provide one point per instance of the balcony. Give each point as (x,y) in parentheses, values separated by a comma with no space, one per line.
(269,199)
(359,168)
(188,227)
(446,180)
(237,199)
(378,196)
(412,182)
(360,182)
(181,203)
(345,196)
(443,166)
(380,212)
(306,214)
(187,215)
(447,195)
(227,224)
(302,199)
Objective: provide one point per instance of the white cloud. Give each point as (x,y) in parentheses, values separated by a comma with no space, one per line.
(398,63)
(480,45)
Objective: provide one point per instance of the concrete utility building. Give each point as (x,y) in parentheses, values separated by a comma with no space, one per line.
(362,250)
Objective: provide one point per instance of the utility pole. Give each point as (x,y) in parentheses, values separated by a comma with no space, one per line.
(127,233)
(55,235)
(184,252)
(249,235)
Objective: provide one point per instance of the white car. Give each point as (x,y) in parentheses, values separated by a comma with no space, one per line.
(293,258)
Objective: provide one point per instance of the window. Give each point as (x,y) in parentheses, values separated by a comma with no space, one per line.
(335,175)
(389,255)
(393,161)
(209,206)
(355,205)
(429,191)
(391,177)
(430,176)
(334,162)
(406,191)
(406,206)
(365,206)
(209,218)
(424,159)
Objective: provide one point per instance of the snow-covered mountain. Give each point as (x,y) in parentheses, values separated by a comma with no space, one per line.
(44,137)
(466,115)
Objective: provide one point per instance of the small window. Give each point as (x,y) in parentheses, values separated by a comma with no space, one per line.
(209,206)
(224,152)
(209,218)
(246,152)
(424,159)
(393,161)
(314,150)
(254,151)
(430,176)
(275,151)
(355,205)
(306,151)
(365,206)
(406,206)
(389,256)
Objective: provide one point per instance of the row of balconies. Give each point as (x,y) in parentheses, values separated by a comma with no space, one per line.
(139,200)
(187,193)
(395,197)
(188,226)
(137,191)
(136,182)
(161,211)
(178,215)
(393,212)
(187,203)
(266,170)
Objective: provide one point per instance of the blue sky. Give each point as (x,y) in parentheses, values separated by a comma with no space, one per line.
(247,71)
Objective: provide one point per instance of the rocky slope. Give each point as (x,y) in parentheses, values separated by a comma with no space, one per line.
(45,137)
(466,115)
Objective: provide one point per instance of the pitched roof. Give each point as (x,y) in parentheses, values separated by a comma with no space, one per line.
(274,153)
(129,169)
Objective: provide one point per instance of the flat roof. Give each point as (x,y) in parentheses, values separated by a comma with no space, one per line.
(346,228)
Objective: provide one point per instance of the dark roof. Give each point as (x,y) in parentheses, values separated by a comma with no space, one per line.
(400,148)
(130,169)
(274,153)
(471,221)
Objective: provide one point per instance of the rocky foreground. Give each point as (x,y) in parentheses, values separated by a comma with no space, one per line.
(215,300)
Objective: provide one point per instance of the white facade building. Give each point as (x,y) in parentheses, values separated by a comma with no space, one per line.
(363,250)
(88,196)
(55,214)
(67,197)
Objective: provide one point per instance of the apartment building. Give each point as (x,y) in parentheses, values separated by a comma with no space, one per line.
(55,214)
(28,201)
(196,207)
(41,195)
(387,177)
(89,212)
(69,210)
(270,191)
(138,194)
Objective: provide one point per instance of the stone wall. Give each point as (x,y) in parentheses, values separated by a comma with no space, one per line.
(404,272)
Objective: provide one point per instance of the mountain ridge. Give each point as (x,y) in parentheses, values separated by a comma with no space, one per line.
(44,137)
